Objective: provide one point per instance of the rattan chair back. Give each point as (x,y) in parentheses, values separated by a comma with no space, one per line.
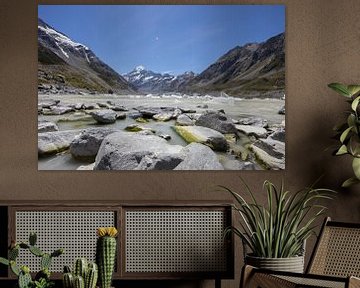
(337,252)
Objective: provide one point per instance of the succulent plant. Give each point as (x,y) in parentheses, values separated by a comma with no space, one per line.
(85,275)
(42,278)
(106,254)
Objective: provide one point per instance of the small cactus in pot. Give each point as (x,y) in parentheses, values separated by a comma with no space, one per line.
(85,275)
(106,254)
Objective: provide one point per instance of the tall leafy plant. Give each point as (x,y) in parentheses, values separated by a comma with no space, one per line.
(349,131)
(279,229)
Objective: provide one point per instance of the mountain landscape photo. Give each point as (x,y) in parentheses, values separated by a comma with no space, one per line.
(205,95)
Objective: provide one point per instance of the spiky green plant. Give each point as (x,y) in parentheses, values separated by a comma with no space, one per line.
(42,278)
(106,254)
(349,132)
(279,229)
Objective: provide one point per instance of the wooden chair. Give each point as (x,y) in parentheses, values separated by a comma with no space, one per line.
(335,262)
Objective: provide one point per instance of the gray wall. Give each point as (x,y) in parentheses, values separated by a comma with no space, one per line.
(322,46)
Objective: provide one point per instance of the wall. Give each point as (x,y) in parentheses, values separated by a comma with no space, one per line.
(322,46)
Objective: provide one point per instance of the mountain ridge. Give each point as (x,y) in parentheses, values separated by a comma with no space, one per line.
(68,66)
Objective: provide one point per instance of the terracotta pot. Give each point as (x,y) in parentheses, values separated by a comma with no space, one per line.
(291,264)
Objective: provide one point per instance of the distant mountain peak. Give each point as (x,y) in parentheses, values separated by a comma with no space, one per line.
(139,68)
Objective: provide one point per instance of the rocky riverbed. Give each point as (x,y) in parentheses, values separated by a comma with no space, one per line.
(167,132)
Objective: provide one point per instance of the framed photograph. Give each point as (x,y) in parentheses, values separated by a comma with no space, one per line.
(161,87)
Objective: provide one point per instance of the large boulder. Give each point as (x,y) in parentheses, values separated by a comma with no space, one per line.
(203,135)
(250,130)
(47,126)
(199,157)
(87,144)
(58,110)
(184,120)
(271,153)
(106,116)
(55,142)
(216,121)
(125,151)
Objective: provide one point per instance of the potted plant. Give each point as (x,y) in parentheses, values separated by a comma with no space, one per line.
(349,132)
(276,233)
(42,278)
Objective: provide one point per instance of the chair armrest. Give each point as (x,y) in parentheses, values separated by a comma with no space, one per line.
(252,277)
(354,282)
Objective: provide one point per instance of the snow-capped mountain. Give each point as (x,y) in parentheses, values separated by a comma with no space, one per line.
(148,81)
(68,65)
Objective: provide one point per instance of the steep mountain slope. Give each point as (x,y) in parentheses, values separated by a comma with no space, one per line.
(148,81)
(252,67)
(67,66)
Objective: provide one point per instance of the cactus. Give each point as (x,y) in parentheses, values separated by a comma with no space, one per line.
(24,280)
(80,267)
(105,255)
(91,276)
(45,261)
(79,282)
(42,278)
(68,280)
(87,272)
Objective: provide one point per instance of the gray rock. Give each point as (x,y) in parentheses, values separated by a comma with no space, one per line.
(256,131)
(87,144)
(148,112)
(163,116)
(254,121)
(104,116)
(238,165)
(184,120)
(135,115)
(55,142)
(205,106)
(91,106)
(199,157)
(270,152)
(278,135)
(216,121)
(59,110)
(48,104)
(203,135)
(103,105)
(186,110)
(125,151)
(159,162)
(78,106)
(282,110)
(121,116)
(86,167)
(47,126)
(176,113)
(118,108)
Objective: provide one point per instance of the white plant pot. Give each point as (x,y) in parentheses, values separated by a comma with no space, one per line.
(291,264)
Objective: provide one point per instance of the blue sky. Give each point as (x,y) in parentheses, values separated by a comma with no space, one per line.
(164,38)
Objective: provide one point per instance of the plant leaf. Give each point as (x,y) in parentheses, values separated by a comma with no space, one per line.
(340,88)
(353,89)
(342,150)
(345,134)
(355,103)
(349,182)
(356,167)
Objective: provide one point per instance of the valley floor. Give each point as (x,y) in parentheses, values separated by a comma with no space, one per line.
(250,149)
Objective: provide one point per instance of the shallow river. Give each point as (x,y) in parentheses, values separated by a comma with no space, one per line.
(235,108)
